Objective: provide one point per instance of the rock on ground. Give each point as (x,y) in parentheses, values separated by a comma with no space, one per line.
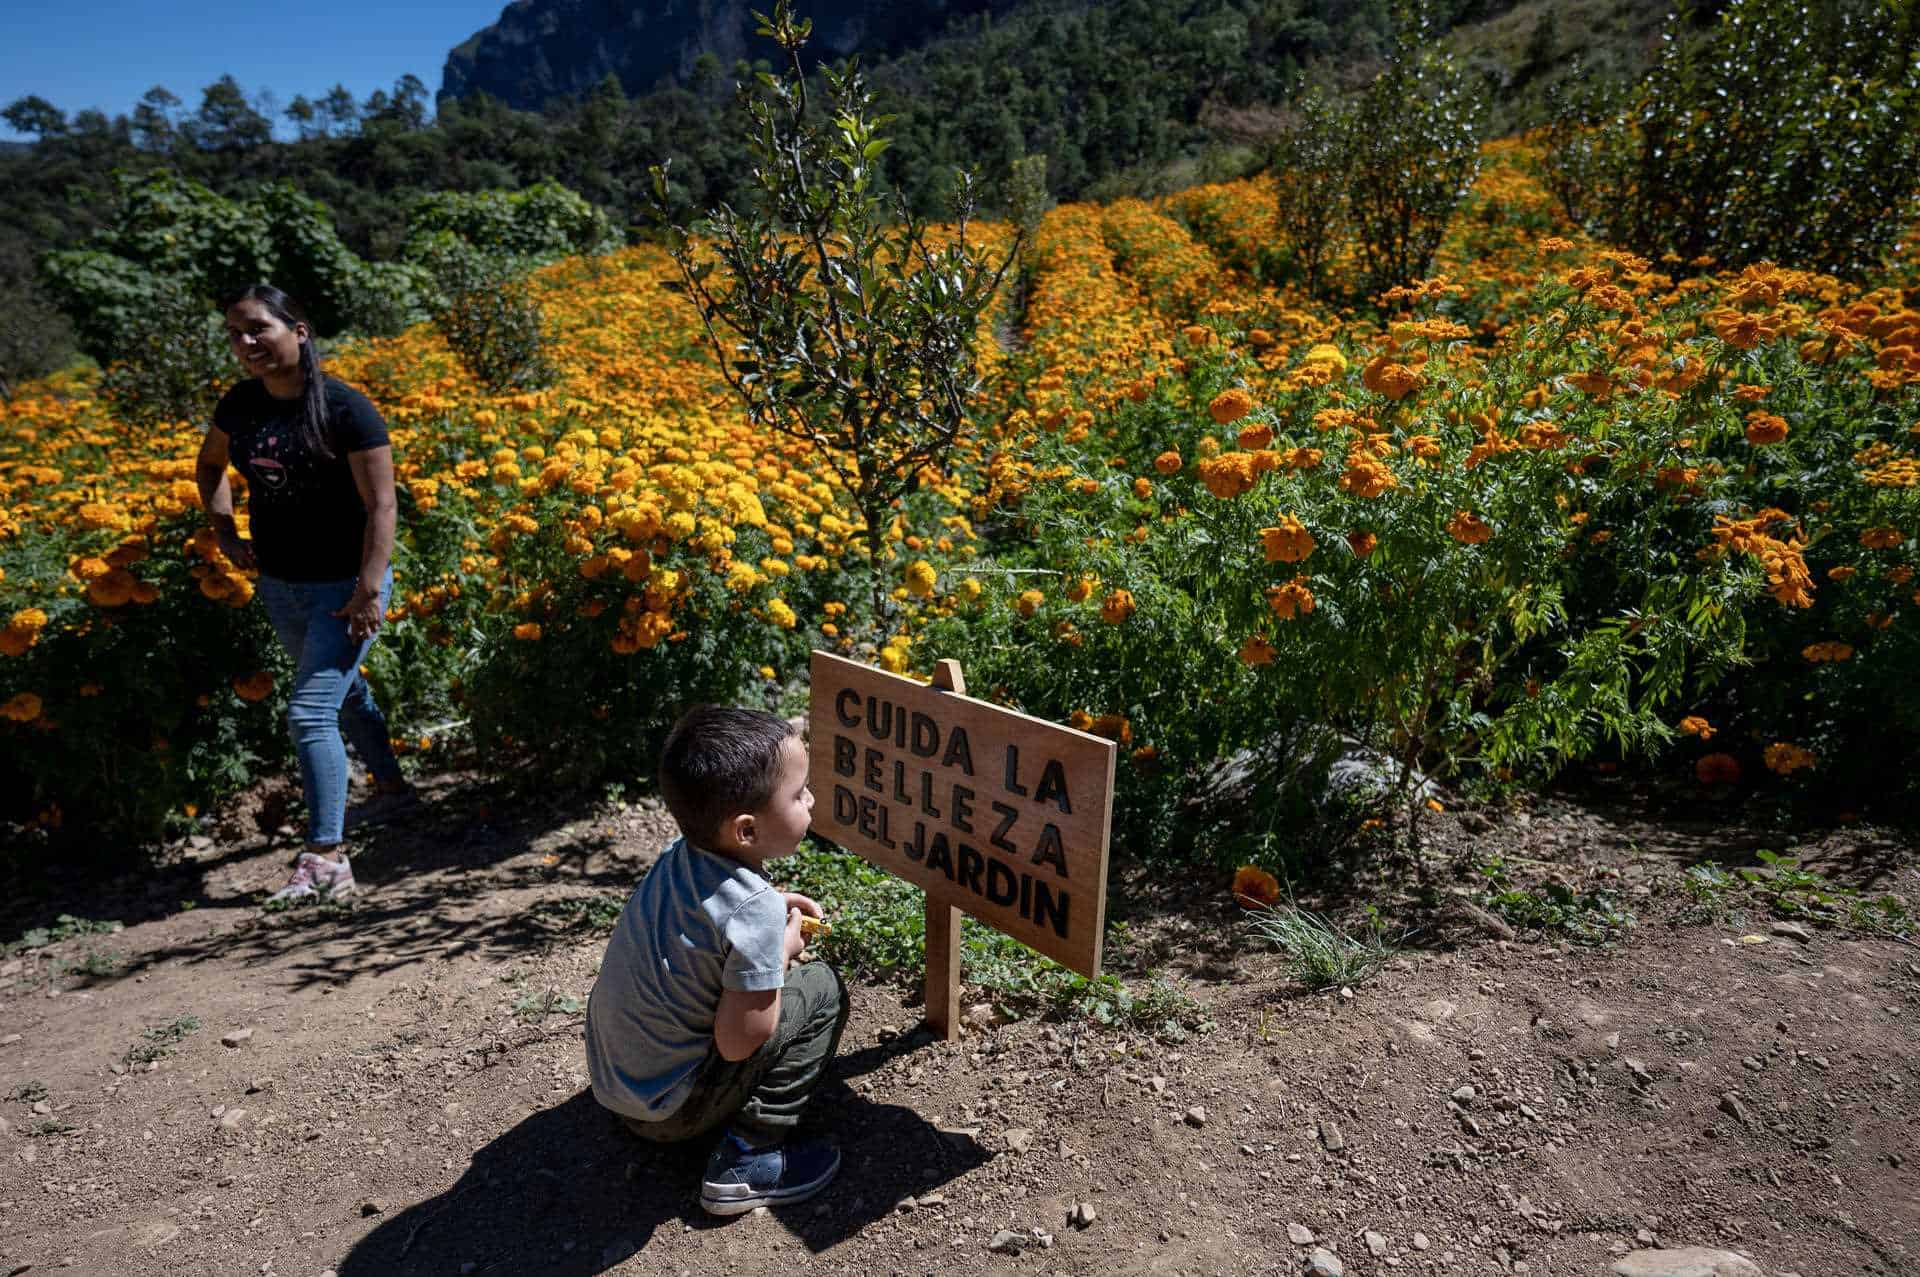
(1691,1261)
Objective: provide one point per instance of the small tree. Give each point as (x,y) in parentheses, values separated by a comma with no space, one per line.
(1310,166)
(833,315)
(1415,152)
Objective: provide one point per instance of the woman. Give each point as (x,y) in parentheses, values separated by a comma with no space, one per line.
(319,473)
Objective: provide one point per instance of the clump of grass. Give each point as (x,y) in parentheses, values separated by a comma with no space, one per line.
(65,927)
(29,1092)
(1319,954)
(532,1008)
(159,1040)
(597,913)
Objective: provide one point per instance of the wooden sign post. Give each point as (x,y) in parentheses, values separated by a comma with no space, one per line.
(991,812)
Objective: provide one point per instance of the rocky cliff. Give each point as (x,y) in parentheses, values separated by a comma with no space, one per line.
(543,49)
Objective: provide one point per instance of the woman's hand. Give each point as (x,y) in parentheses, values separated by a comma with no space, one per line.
(238,549)
(363,613)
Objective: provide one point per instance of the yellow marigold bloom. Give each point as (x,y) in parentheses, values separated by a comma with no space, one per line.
(95,515)
(680,525)
(1288,543)
(1328,356)
(893,659)
(1783,759)
(921,578)
(1082,589)
(1362,543)
(1290,600)
(89,567)
(23,708)
(1468,528)
(254,687)
(113,589)
(1256,651)
(1830,650)
(1117,607)
(1029,602)
(1167,462)
(1255,888)
(1765,428)
(1744,393)
(1255,437)
(781,615)
(1694,725)
(1230,405)
(1882,538)
(527,631)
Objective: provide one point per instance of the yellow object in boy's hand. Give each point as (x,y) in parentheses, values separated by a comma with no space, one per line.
(812,928)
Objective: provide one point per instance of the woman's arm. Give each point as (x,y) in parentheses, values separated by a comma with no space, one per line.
(216,497)
(373,476)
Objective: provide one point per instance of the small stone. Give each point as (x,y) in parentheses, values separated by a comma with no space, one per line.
(1324,1263)
(888,1033)
(42,1107)
(237,1038)
(259,1084)
(1300,1234)
(1083,1215)
(1730,1105)
(1753,1062)
(1420,1241)
(1692,1261)
(1019,1139)
(1376,1243)
(232,1118)
(373,1206)
(1197,1116)
(932,1199)
(1792,931)
(1331,1137)
(1639,1070)
(1007,1242)
(1464,1095)
(1159,1085)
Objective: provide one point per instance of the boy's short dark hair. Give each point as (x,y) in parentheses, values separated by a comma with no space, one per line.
(719,761)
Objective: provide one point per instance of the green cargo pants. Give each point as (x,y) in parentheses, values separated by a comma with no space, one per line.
(763,1095)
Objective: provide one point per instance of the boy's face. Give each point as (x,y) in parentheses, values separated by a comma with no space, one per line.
(781,822)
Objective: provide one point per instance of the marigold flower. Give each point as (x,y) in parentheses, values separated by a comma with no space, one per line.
(1167,462)
(1229,475)
(921,578)
(88,567)
(1113,727)
(24,707)
(1362,543)
(1230,405)
(1882,538)
(1082,588)
(1365,477)
(1080,721)
(1694,725)
(781,615)
(1029,602)
(1783,759)
(1827,651)
(1841,573)
(1255,437)
(527,631)
(1468,528)
(1256,651)
(1146,760)
(1290,600)
(1288,543)
(1765,428)
(1384,376)
(1255,888)
(1143,487)
(114,588)
(1717,769)
(254,687)
(1328,356)
(1117,607)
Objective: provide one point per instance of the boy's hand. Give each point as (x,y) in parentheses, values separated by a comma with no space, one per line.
(797,901)
(796,940)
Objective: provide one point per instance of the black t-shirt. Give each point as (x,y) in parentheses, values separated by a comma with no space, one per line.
(308,522)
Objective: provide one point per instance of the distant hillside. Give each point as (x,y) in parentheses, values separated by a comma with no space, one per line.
(540,50)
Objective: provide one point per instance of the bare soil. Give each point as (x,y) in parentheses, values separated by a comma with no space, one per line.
(393,1113)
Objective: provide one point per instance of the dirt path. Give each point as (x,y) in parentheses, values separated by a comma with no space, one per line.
(392,1112)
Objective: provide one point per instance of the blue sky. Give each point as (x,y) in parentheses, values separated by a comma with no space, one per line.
(107,53)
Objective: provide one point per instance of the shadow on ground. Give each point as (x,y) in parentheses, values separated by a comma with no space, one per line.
(570,1192)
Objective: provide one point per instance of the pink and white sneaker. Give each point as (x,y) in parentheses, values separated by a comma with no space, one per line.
(316,875)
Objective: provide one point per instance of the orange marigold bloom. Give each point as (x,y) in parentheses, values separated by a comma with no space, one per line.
(1744,393)
(1290,600)
(1783,759)
(1256,651)
(1694,725)
(1082,590)
(1468,528)
(1384,376)
(1362,543)
(254,687)
(527,631)
(23,708)
(1255,888)
(1167,462)
(1143,487)
(1765,428)
(1288,543)
(1829,650)
(113,589)
(1365,477)
(1841,573)
(1255,437)
(1230,405)
(1882,538)
(1113,727)
(1029,602)
(1117,607)
(1717,769)
(1228,475)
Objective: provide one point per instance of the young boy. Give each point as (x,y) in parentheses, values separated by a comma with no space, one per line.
(699,1016)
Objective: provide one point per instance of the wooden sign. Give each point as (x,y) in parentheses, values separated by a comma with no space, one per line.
(995,813)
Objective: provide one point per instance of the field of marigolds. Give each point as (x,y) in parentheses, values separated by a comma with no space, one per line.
(1563,505)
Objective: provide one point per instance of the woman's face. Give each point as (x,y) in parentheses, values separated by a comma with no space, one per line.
(264,345)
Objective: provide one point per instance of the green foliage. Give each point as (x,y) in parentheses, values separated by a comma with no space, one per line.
(65,927)
(484,307)
(1591,917)
(1319,954)
(35,338)
(541,223)
(159,1041)
(29,1092)
(533,1008)
(171,363)
(1311,162)
(1782,132)
(596,914)
(834,315)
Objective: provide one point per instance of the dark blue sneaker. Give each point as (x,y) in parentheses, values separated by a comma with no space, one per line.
(740,1177)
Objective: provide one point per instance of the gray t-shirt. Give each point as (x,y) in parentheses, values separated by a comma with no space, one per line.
(698,923)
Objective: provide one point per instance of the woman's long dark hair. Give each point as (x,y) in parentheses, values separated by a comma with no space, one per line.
(313,399)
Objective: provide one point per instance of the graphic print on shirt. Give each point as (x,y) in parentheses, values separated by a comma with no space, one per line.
(265,463)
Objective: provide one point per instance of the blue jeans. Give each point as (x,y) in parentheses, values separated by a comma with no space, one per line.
(329,693)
